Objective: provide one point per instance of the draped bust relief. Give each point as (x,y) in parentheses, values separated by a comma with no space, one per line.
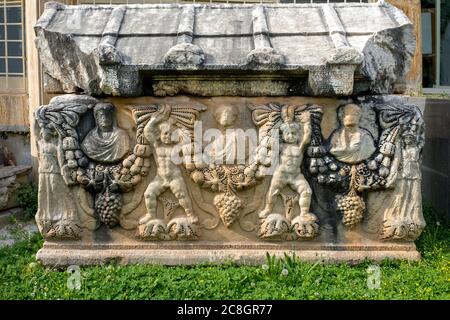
(106,143)
(351,143)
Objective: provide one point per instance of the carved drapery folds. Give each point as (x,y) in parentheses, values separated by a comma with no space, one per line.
(201,132)
(158,179)
(350,162)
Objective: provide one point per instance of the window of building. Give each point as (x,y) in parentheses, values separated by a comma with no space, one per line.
(436,45)
(12,47)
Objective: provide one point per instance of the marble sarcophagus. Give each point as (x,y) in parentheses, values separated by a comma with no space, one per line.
(191,133)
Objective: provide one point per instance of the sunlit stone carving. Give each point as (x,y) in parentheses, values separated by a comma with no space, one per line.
(192,141)
(351,143)
(106,142)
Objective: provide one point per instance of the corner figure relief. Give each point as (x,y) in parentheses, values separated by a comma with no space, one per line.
(294,124)
(403,218)
(57,216)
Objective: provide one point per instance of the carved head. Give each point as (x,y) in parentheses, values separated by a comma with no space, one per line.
(226,115)
(409,139)
(169,132)
(290,132)
(351,115)
(48,133)
(104,116)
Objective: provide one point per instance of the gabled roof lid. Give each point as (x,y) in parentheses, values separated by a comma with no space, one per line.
(315,49)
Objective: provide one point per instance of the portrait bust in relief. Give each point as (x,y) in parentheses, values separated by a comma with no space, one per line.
(106,143)
(350,143)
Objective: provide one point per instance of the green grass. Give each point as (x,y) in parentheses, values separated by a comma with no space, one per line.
(22,278)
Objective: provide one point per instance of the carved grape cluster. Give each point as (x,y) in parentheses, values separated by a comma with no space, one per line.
(107,206)
(352,208)
(227,180)
(229,205)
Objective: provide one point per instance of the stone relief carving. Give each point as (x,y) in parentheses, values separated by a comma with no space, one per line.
(403,217)
(93,164)
(290,154)
(294,125)
(223,150)
(369,165)
(227,181)
(226,171)
(160,131)
(105,146)
(223,172)
(106,142)
(57,215)
(57,211)
(351,143)
(167,131)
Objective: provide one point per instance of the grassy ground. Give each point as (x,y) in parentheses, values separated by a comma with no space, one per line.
(22,278)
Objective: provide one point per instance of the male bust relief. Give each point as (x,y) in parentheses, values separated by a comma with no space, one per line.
(106,143)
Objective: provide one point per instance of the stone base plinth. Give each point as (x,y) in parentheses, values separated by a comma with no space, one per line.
(190,253)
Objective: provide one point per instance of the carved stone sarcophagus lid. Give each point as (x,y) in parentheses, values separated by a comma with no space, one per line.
(206,133)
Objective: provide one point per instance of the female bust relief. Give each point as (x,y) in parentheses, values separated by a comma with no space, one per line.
(351,143)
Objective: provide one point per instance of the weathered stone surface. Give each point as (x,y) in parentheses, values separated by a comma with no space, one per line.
(323,175)
(106,142)
(242,254)
(11,179)
(351,143)
(306,49)
(172,178)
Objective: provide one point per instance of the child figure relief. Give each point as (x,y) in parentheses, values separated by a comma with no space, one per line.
(163,135)
(294,125)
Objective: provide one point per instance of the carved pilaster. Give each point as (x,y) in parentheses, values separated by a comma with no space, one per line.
(185,53)
(263,55)
(337,74)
